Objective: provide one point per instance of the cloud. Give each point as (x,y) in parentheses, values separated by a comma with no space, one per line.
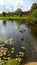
(35,1)
(12,5)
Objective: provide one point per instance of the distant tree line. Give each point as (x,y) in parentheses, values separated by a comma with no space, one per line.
(19,12)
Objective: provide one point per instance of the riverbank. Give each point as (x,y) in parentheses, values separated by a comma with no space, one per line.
(18,18)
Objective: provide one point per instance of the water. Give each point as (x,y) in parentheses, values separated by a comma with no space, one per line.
(21,34)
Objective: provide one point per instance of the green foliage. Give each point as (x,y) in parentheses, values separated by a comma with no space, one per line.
(13,62)
(34,13)
(34,6)
(19,12)
(4,14)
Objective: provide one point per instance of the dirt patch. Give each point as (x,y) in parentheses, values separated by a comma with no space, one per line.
(31,63)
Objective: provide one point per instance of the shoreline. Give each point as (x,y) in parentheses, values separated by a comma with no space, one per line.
(18,18)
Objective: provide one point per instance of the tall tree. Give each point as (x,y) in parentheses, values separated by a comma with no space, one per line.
(34,6)
(4,14)
(19,12)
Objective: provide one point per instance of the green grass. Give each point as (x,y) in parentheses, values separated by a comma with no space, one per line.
(17,17)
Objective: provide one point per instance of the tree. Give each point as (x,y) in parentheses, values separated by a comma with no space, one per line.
(34,13)
(19,12)
(34,6)
(9,13)
(4,14)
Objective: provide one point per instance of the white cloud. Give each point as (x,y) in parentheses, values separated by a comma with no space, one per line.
(11,5)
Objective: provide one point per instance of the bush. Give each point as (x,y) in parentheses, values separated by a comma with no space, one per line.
(34,13)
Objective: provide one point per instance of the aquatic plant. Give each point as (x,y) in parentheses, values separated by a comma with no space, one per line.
(23,47)
(15,61)
(7,53)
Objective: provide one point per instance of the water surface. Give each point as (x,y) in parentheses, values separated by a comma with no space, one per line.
(28,38)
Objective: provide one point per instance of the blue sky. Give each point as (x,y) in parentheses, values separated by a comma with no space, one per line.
(12,5)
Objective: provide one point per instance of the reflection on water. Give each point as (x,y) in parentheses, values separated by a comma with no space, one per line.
(4,22)
(10,29)
(33,31)
(15,36)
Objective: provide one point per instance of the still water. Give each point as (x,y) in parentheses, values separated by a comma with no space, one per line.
(10,29)
(21,34)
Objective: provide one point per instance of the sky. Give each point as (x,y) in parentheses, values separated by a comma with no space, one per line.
(12,5)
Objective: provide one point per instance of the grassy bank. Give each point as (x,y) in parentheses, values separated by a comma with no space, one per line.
(17,17)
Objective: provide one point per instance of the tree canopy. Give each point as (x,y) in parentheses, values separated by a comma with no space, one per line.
(32,11)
